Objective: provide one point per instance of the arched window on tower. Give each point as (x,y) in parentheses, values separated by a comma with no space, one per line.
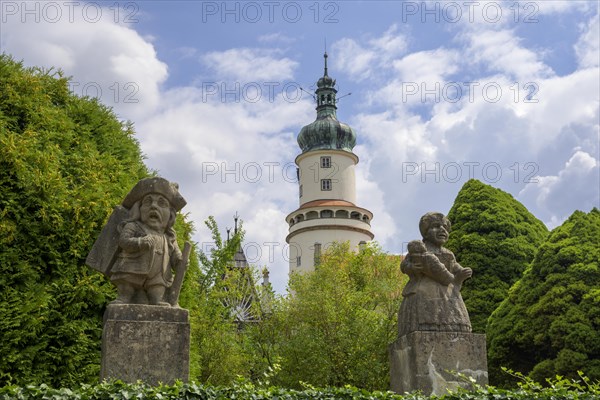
(312,215)
(341,214)
(326,214)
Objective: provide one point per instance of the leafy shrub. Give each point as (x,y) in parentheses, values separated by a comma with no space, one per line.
(556,389)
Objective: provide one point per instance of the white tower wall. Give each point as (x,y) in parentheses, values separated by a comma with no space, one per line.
(340,173)
(302,245)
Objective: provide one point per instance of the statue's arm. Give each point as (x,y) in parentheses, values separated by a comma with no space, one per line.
(175,254)
(461,273)
(407,267)
(130,240)
(436,270)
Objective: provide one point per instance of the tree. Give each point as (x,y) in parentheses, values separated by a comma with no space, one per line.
(497,237)
(220,351)
(549,322)
(65,161)
(335,325)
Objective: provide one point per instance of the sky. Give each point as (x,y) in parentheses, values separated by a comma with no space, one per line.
(507,92)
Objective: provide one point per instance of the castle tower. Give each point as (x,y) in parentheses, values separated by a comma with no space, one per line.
(327,186)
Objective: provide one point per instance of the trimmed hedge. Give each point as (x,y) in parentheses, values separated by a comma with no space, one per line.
(558,388)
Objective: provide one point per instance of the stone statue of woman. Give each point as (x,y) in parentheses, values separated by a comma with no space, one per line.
(432,299)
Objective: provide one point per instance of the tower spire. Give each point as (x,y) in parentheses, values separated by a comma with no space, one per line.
(326,132)
(328,210)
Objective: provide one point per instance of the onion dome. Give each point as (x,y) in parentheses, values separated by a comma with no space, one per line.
(326,132)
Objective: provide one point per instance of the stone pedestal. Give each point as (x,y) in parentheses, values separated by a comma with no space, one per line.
(422,361)
(147,343)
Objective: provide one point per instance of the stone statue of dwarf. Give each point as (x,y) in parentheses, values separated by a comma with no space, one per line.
(137,248)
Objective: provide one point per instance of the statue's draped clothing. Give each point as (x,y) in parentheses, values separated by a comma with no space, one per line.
(140,266)
(432,301)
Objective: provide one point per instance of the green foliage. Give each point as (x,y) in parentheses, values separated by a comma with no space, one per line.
(559,388)
(220,351)
(188,297)
(333,329)
(335,325)
(497,237)
(65,161)
(550,321)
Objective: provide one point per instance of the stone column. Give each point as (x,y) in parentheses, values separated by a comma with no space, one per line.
(425,361)
(145,342)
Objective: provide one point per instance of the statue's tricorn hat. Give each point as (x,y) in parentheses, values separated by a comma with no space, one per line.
(155,185)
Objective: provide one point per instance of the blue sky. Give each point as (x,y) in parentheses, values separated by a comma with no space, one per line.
(503,91)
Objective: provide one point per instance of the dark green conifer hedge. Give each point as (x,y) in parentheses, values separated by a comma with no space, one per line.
(550,322)
(65,161)
(497,237)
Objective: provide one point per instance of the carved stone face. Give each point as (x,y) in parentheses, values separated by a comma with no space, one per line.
(437,233)
(155,211)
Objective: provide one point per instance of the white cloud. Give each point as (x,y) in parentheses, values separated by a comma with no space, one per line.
(562,102)
(517,122)
(391,44)
(265,241)
(554,6)
(587,47)
(361,61)
(249,65)
(415,79)
(106,59)
(353,59)
(501,51)
(487,15)
(427,66)
(575,186)
(231,157)
(370,196)
(393,137)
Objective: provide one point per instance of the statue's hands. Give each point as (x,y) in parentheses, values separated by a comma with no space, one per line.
(416,264)
(176,255)
(145,242)
(462,275)
(417,267)
(148,242)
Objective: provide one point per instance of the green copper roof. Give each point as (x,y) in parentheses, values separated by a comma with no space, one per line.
(326,132)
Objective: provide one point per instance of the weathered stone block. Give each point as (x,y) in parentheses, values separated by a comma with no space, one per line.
(423,361)
(147,343)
